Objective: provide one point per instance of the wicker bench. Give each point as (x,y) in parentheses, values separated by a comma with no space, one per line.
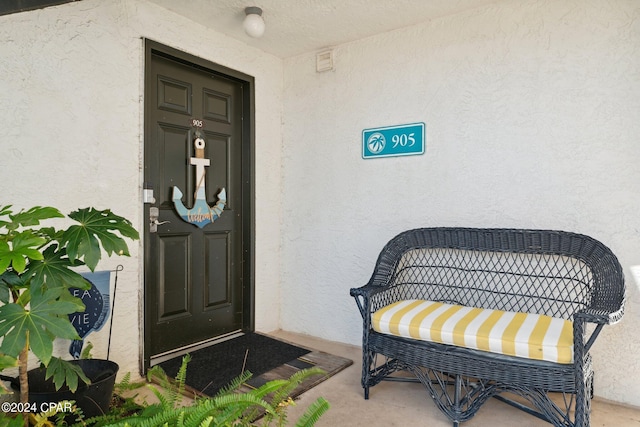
(480,313)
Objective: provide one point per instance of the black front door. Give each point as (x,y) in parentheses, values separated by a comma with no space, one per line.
(197,146)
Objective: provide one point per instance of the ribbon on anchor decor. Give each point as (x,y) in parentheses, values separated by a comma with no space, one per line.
(201,213)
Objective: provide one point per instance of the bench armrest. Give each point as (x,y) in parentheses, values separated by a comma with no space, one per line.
(600,316)
(363,297)
(366,291)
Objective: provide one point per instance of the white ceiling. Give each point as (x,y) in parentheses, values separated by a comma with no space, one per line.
(298,26)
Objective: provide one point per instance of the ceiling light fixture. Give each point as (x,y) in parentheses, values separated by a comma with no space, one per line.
(253,23)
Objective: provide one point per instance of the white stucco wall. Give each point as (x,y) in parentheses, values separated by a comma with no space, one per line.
(71,131)
(531,110)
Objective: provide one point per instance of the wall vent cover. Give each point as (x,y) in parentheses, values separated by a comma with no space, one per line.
(324,61)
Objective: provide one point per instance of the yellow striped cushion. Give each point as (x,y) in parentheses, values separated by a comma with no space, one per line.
(533,336)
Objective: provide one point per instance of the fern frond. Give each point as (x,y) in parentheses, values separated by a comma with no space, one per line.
(294,381)
(206,422)
(282,420)
(239,403)
(180,419)
(226,409)
(303,374)
(166,416)
(159,375)
(243,399)
(270,387)
(313,413)
(177,388)
(164,402)
(282,411)
(199,411)
(235,384)
(124,383)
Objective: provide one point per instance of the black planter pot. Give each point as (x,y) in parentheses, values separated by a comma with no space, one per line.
(94,399)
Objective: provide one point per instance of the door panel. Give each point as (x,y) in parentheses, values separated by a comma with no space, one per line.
(176,301)
(218,291)
(195,278)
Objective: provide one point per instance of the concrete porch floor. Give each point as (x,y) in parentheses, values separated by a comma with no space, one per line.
(408,404)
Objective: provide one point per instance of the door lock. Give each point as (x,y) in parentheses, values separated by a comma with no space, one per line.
(154,213)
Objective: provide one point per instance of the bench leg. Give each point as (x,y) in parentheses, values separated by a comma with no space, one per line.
(366,371)
(458,397)
(584,394)
(457,393)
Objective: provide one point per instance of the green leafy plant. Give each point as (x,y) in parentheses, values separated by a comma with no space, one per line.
(229,407)
(37,268)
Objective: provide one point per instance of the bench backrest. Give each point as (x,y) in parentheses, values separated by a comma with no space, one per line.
(535,271)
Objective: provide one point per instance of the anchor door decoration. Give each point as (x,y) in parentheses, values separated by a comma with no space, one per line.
(200,213)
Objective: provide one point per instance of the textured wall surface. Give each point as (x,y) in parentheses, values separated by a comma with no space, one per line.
(71,130)
(531,110)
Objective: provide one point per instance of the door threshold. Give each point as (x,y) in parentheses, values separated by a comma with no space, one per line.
(162,357)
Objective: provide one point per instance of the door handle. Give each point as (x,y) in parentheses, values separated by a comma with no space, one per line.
(154,213)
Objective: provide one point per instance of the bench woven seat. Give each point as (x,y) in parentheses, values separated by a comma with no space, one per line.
(532,336)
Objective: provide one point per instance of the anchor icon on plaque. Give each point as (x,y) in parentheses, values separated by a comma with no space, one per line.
(201,213)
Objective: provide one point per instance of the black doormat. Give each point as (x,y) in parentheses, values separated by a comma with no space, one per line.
(214,367)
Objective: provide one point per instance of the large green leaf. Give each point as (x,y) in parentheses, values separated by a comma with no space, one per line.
(5,292)
(5,255)
(13,329)
(64,372)
(7,362)
(5,211)
(95,228)
(9,280)
(47,317)
(34,215)
(23,247)
(54,271)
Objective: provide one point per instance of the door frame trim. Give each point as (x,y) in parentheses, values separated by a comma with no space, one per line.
(247,83)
